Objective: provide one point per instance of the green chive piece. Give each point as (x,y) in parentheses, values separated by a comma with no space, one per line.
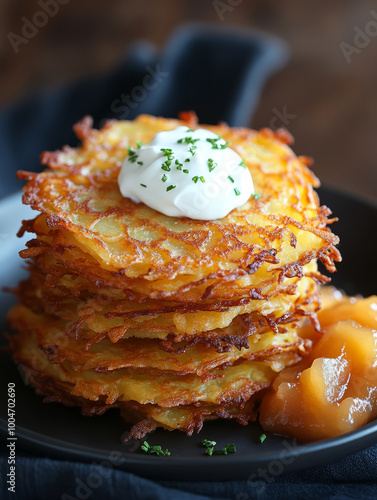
(132,156)
(169,158)
(187,140)
(195,178)
(140,163)
(214,143)
(262,437)
(257,196)
(143,185)
(189,130)
(230,448)
(237,191)
(179,164)
(185,171)
(211,164)
(187,159)
(164,178)
(169,188)
(145,446)
(207,443)
(157,450)
(210,448)
(230,178)
(139,144)
(243,164)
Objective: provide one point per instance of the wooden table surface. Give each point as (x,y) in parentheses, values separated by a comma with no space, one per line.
(328,88)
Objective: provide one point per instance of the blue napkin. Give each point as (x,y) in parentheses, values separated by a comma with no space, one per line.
(219,74)
(354,477)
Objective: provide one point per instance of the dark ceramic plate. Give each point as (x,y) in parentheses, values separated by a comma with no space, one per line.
(56,431)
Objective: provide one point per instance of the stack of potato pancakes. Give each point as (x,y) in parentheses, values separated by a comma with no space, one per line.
(172,320)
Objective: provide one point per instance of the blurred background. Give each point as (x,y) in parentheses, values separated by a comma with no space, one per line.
(326,94)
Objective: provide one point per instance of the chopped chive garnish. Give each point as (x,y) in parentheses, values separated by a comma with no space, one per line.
(215,144)
(189,130)
(210,448)
(196,178)
(157,450)
(187,159)
(132,156)
(229,448)
(192,150)
(257,196)
(139,144)
(185,171)
(143,185)
(167,151)
(140,163)
(230,178)
(211,164)
(207,443)
(262,437)
(179,164)
(169,157)
(243,164)
(187,140)
(164,178)
(237,191)
(169,188)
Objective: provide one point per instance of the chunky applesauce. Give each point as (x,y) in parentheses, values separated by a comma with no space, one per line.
(334,389)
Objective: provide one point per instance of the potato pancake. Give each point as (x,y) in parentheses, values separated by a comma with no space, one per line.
(172,320)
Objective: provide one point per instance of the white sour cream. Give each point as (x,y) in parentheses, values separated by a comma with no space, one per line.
(185,173)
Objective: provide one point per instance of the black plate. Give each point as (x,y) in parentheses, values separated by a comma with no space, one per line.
(61,432)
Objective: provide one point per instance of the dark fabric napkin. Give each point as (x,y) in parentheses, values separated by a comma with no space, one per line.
(354,477)
(219,74)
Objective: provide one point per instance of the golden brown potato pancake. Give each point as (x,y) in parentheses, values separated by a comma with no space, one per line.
(174,321)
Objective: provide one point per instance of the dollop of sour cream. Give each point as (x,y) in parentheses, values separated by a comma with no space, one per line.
(186,173)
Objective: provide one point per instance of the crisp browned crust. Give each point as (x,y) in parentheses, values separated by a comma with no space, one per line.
(80,193)
(171,320)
